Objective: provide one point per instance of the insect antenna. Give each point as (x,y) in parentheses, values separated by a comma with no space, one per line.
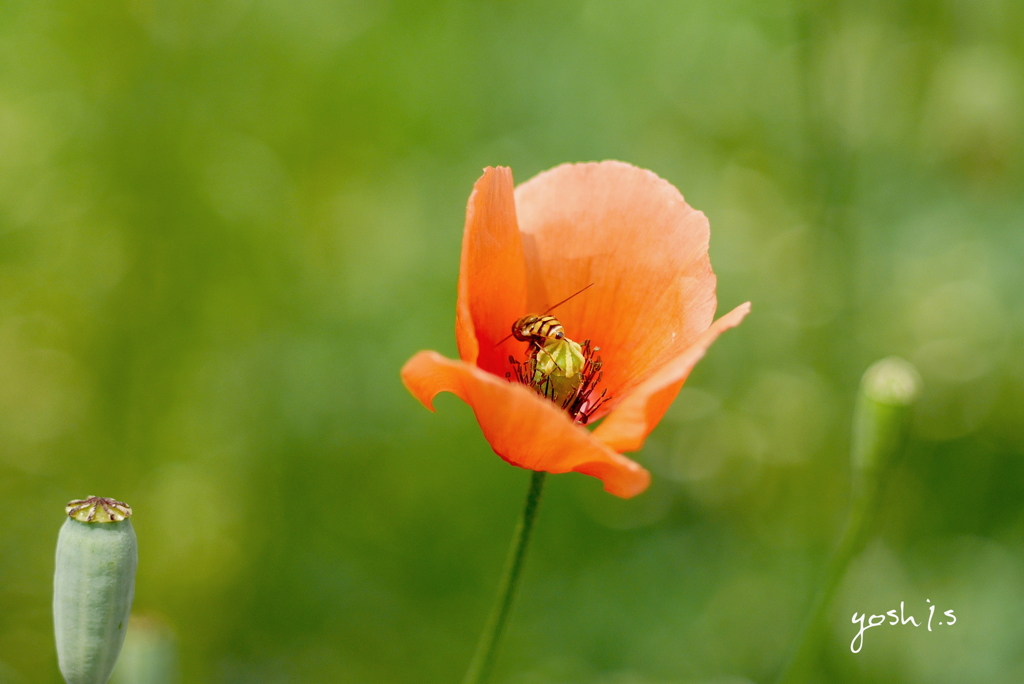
(502,340)
(554,306)
(550,309)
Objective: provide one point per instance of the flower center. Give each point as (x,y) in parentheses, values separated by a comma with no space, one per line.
(565,373)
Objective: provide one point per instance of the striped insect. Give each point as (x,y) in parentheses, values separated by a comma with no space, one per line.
(540,329)
(558,368)
(550,351)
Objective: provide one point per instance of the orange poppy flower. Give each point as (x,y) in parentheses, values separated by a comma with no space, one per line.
(649,312)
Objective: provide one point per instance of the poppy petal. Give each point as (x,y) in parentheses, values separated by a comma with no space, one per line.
(492,274)
(627,426)
(632,235)
(522,428)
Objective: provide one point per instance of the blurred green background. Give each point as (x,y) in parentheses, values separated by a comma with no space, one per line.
(225,225)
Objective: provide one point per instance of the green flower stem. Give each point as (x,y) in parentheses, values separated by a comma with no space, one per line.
(881,418)
(487,649)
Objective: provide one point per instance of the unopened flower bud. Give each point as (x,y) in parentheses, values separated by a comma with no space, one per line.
(888,390)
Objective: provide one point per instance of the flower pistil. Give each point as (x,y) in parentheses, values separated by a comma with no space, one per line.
(564,372)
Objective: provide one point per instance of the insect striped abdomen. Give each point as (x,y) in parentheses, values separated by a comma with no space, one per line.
(537,329)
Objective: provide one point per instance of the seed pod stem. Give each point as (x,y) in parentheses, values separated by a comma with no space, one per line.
(149,655)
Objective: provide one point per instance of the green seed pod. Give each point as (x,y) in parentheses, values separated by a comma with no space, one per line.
(93,587)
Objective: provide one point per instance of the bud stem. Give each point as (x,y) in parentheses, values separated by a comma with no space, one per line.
(881,417)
